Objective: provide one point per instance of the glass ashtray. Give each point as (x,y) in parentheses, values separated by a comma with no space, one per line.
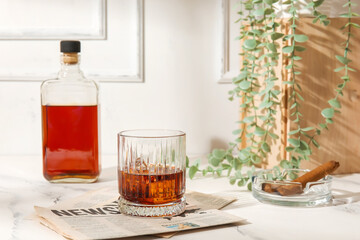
(311,195)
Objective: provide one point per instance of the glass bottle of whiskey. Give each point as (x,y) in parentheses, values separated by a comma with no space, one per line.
(70,132)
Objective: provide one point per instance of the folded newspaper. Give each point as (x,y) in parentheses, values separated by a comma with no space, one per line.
(95,215)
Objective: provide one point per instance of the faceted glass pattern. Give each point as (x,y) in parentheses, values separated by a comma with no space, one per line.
(151,172)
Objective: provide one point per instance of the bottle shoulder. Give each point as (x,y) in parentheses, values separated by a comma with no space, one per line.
(58,82)
(69,92)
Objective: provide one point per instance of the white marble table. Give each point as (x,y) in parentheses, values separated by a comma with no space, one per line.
(22,186)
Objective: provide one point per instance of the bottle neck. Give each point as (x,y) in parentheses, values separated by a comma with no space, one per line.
(70,66)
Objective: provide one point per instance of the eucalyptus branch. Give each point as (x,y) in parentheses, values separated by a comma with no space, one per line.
(297,148)
(318,15)
(254,84)
(335,105)
(269,94)
(258,32)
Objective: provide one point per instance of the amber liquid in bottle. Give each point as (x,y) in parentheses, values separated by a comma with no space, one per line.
(144,188)
(69,105)
(70,143)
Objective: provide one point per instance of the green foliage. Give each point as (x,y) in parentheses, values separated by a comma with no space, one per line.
(250,44)
(300,38)
(343,60)
(260,53)
(334,103)
(192,171)
(328,112)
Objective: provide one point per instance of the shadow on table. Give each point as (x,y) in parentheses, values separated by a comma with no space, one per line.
(244,198)
(244,222)
(108,174)
(179,234)
(344,197)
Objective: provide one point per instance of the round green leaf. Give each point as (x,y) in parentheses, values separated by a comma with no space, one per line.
(237,164)
(318,3)
(339,69)
(289,149)
(269,176)
(240,77)
(259,12)
(276,36)
(293,175)
(300,48)
(329,120)
(192,171)
(237,131)
(241,182)
(342,59)
(250,44)
(259,131)
(327,112)
(271,47)
(273,135)
(255,159)
(245,85)
(316,144)
(334,103)
(219,171)
(307,129)
(268,11)
(229,158)
(214,161)
(294,132)
(219,153)
(285,164)
(324,126)
(232,180)
(248,119)
(294,142)
(288,49)
(300,38)
(249,186)
(303,145)
(265,147)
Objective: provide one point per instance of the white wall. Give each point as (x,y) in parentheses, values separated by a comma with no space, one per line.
(182,67)
(183,44)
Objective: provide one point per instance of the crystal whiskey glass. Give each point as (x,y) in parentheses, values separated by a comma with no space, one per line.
(151,172)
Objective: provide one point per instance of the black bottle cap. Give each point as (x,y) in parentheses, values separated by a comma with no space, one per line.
(69,46)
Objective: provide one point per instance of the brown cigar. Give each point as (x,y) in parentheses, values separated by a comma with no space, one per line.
(312,176)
